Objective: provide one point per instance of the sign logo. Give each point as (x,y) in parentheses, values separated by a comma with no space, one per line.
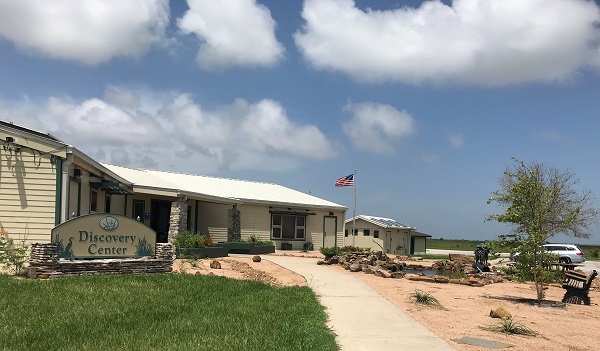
(109,223)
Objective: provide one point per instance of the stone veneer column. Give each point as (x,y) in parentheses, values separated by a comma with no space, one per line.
(234,231)
(178,222)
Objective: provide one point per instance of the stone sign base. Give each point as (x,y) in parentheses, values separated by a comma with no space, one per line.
(44,263)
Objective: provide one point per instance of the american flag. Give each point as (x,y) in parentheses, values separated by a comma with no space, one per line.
(345,181)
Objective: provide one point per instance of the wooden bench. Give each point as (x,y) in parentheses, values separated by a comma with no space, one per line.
(577,285)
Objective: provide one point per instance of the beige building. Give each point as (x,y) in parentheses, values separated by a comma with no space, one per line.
(44,182)
(383,234)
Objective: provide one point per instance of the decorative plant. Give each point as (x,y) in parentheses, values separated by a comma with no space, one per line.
(425,298)
(12,257)
(188,239)
(258,242)
(331,251)
(508,326)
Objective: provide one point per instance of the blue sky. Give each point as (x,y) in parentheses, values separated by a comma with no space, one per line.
(427,100)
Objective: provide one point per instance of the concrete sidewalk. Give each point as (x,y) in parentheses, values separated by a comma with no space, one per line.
(360,317)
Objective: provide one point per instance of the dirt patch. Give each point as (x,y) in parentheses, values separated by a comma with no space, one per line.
(242,268)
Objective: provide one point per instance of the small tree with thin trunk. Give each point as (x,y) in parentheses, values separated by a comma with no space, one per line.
(541,202)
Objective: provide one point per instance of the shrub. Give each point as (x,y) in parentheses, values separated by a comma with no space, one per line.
(257,242)
(425,298)
(189,240)
(208,242)
(350,248)
(331,251)
(508,326)
(12,257)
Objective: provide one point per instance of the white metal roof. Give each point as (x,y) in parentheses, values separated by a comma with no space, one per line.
(242,190)
(382,222)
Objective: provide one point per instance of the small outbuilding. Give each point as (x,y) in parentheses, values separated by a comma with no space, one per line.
(379,234)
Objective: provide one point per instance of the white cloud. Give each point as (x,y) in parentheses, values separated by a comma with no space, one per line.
(148,129)
(91,31)
(232,32)
(457,140)
(479,42)
(377,127)
(429,158)
(547,134)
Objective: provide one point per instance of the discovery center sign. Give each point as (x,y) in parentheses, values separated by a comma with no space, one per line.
(103,235)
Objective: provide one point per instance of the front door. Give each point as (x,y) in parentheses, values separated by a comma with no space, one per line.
(329,231)
(160,219)
(412,245)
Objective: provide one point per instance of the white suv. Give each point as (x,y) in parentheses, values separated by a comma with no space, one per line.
(567,253)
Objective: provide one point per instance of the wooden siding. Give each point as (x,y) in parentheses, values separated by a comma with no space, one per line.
(28,193)
(212,220)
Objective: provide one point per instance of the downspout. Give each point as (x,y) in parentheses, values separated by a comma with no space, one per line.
(64,202)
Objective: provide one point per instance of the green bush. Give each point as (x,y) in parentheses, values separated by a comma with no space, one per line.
(257,242)
(12,257)
(350,248)
(189,240)
(331,251)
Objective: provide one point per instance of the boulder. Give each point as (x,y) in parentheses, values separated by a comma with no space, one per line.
(383,273)
(441,279)
(256,259)
(500,312)
(368,270)
(355,267)
(398,275)
(460,258)
(214,264)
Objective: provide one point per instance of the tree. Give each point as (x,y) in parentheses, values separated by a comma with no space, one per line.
(541,202)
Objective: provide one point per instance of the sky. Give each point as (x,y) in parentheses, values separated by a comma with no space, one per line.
(427,100)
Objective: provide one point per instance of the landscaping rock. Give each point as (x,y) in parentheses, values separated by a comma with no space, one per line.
(214,264)
(441,279)
(368,270)
(398,275)
(256,259)
(500,312)
(355,267)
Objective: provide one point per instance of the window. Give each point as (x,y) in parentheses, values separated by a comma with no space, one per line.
(376,233)
(93,201)
(367,232)
(346,233)
(288,227)
(355,232)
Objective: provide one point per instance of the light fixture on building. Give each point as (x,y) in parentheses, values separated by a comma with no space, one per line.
(77,173)
(10,145)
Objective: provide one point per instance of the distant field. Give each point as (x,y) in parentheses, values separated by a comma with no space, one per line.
(592,252)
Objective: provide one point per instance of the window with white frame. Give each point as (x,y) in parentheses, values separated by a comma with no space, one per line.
(366,232)
(290,227)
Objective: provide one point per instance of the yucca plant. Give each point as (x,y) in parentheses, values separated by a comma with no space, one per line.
(425,298)
(509,326)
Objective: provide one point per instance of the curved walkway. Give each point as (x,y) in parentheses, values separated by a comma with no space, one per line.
(361,318)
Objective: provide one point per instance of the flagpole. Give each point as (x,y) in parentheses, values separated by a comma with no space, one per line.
(354,211)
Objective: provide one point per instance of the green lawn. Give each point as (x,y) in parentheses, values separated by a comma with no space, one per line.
(159,312)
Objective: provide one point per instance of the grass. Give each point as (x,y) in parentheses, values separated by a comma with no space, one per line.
(508,326)
(159,312)
(425,298)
